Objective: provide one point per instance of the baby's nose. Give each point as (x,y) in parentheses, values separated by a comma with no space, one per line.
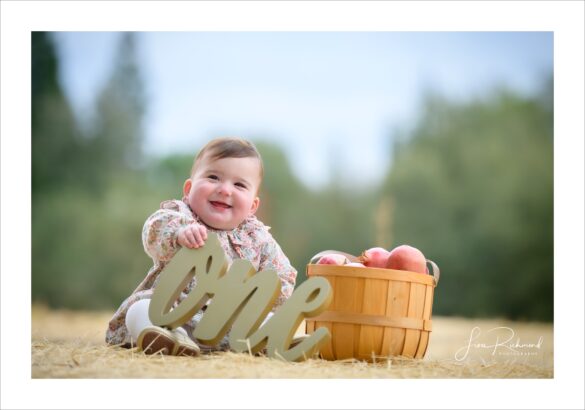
(224,189)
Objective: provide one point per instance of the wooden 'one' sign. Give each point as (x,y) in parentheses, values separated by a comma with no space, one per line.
(242,299)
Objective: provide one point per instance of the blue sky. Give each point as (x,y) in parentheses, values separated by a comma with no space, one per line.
(325,97)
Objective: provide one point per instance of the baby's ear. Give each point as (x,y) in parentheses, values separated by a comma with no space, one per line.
(255,205)
(187,187)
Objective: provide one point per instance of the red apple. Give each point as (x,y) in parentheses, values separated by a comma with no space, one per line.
(405,257)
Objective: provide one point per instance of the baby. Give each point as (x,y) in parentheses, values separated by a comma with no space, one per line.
(220,196)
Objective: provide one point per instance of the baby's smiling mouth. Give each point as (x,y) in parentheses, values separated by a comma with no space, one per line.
(219,204)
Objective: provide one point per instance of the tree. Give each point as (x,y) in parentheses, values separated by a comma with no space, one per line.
(88,203)
(473,188)
(55,136)
(116,140)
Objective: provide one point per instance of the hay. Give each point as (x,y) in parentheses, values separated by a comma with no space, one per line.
(71,345)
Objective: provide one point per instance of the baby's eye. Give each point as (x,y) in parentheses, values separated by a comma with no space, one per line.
(240,185)
(212,176)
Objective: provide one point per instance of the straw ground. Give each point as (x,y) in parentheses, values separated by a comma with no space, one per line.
(67,344)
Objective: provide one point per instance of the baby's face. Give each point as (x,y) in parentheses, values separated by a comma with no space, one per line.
(222,192)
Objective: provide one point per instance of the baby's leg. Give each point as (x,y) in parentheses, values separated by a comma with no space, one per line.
(137,318)
(176,341)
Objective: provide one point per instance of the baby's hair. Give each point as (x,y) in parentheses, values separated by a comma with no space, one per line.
(228,147)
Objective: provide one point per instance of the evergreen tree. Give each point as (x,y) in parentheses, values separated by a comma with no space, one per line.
(55,136)
(117,135)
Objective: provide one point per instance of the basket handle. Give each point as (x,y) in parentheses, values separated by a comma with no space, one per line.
(349,256)
(435,271)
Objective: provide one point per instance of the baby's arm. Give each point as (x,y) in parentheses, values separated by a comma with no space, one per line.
(273,258)
(168,229)
(159,234)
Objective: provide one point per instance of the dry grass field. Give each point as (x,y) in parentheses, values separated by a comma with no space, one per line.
(68,344)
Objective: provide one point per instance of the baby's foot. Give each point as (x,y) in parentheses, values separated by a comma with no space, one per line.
(185,346)
(155,339)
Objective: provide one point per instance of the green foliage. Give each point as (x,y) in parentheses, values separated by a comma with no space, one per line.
(89,203)
(305,222)
(473,189)
(167,175)
(87,252)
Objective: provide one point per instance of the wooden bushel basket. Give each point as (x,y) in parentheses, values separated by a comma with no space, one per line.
(375,313)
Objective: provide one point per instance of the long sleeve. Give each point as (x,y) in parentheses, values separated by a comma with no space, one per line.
(159,234)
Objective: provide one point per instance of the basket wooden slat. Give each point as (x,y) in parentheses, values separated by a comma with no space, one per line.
(424,337)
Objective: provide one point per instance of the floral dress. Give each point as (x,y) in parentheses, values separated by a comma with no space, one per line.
(250,240)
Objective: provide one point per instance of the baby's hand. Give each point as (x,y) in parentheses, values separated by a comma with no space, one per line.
(192,236)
